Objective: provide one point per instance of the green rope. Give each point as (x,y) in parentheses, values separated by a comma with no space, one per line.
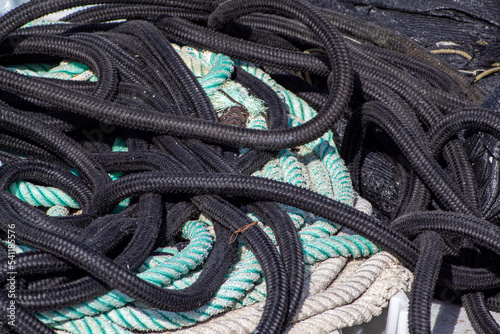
(162,273)
(316,166)
(41,196)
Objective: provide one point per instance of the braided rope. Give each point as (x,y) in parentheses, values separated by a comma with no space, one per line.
(320,279)
(316,165)
(213,73)
(326,151)
(391,278)
(244,321)
(300,112)
(136,318)
(239,282)
(161,273)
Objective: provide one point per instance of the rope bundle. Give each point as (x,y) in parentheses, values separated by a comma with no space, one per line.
(325,174)
(391,105)
(338,295)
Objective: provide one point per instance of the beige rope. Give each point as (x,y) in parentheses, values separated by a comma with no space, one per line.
(363,309)
(487,72)
(345,293)
(452,51)
(324,274)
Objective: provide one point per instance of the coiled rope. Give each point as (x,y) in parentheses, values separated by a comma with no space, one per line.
(391,105)
(325,173)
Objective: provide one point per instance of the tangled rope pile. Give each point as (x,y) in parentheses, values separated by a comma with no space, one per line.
(316,166)
(391,105)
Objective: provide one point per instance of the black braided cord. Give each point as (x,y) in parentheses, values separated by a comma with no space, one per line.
(397,112)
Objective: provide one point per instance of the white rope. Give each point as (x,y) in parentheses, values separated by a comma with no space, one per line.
(345,293)
(323,275)
(363,309)
(241,321)
(363,205)
(347,272)
(352,301)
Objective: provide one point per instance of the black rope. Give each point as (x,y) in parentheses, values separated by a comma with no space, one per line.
(393,107)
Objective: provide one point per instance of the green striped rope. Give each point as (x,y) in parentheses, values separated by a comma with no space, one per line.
(233,293)
(161,274)
(316,166)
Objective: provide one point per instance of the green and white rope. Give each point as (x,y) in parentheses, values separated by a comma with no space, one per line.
(300,112)
(316,166)
(162,273)
(381,277)
(65,70)
(41,196)
(211,69)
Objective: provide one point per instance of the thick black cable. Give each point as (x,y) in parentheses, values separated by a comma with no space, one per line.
(426,274)
(258,189)
(415,125)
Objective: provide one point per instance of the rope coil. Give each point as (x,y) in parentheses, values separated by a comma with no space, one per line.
(149,138)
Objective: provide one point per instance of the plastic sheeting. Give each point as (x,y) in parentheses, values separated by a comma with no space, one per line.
(470,26)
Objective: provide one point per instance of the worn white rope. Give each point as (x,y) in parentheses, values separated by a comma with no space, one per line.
(346,292)
(363,205)
(346,273)
(370,304)
(323,275)
(386,276)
